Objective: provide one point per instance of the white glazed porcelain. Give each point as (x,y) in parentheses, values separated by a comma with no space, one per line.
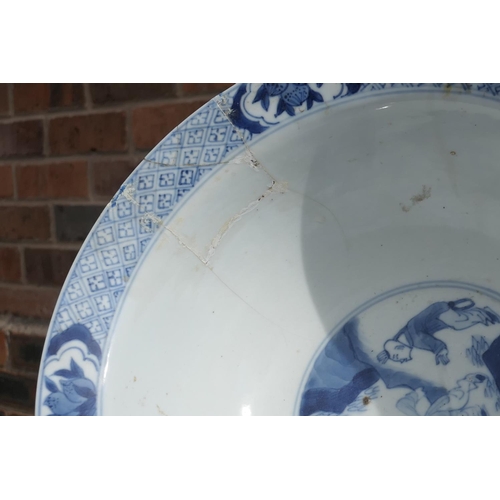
(295,249)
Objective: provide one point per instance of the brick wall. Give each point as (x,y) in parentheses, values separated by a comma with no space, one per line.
(65,149)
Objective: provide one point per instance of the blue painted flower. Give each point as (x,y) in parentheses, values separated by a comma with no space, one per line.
(275,88)
(78,394)
(352,88)
(296,93)
(290,95)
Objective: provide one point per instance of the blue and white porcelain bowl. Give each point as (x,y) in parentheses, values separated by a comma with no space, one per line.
(307,249)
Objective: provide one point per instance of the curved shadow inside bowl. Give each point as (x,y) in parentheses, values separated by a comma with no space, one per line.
(398,193)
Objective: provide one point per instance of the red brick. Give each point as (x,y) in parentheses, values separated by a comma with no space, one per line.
(18,389)
(74,222)
(21,138)
(4,350)
(36,302)
(108,176)
(152,124)
(31,97)
(25,351)
(40,97)
(48,266)
(15,411)
(10,264)
(4,99)
(103,133)
(6,184)
(25,412)
(204,88)
(110,93)
(55,180)
(24,223)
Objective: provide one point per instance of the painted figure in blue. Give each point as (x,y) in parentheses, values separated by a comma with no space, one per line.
(420,330)
(345,368)
(454,403)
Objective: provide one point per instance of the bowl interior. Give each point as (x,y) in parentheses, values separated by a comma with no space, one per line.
(369,210)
